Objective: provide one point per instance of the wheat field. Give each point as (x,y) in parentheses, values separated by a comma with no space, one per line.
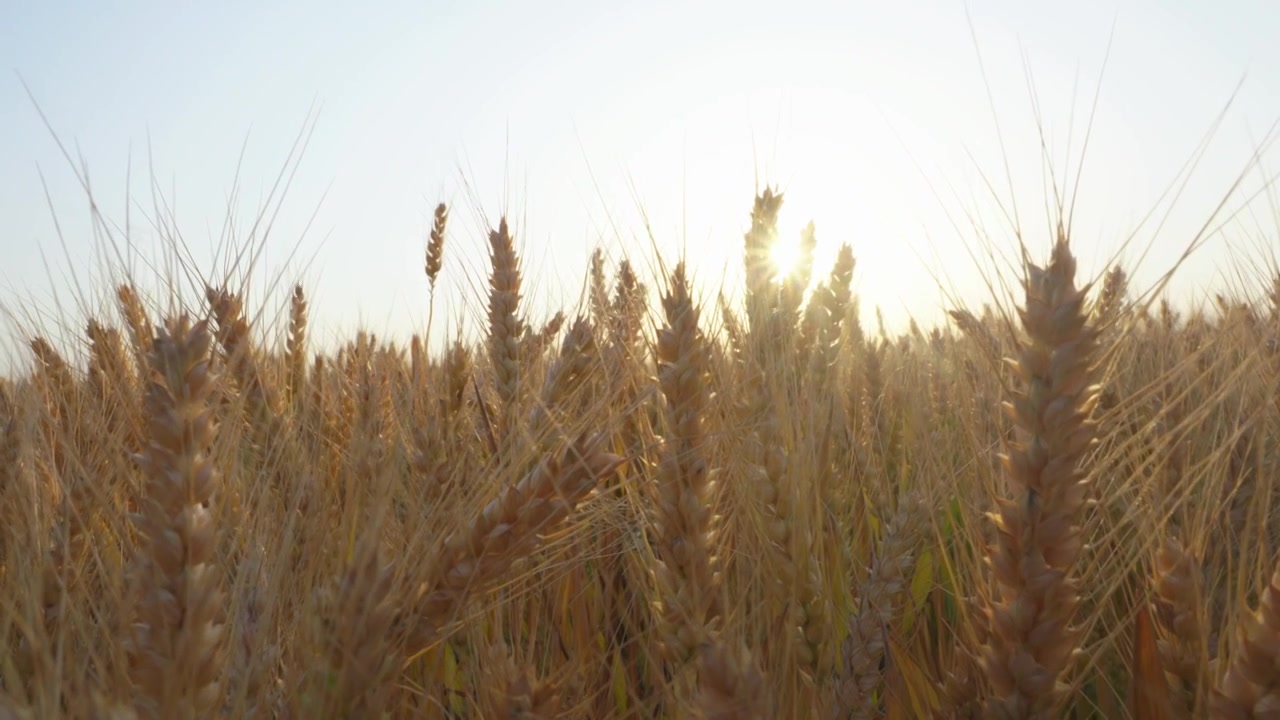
(656,505)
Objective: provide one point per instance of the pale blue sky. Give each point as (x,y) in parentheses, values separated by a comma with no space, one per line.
(576,114)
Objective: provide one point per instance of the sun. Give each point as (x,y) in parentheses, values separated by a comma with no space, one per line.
(791,250)
(784,256)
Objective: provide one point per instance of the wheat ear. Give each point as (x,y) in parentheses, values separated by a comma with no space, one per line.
(1032,638)
(505,325)
(435,260)
(177,648)
(296,347)
(1182,649)
(685,569)
(1251,686)
(864,649)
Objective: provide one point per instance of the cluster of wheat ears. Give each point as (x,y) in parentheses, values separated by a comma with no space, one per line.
(634,512)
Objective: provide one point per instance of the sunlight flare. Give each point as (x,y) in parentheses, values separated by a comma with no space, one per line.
(785,255)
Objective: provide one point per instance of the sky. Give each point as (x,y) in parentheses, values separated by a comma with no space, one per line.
(909,130)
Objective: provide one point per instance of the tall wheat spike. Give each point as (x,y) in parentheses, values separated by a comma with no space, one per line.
(1032,636)
(506,327)
(685,571)
(178,636)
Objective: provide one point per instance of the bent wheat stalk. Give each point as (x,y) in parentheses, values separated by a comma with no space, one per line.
(509,528)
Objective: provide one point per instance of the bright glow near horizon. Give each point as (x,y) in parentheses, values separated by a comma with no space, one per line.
(583,121)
